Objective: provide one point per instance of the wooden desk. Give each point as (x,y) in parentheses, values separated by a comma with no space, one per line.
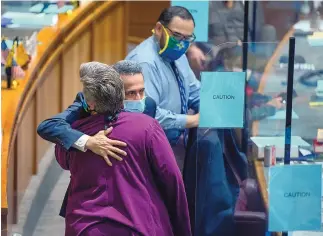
(262,183)
(95,31)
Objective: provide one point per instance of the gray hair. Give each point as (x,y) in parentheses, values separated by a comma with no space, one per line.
(103,86)
(127,67)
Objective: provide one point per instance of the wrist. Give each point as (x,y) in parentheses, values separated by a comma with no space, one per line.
(88,143)
(197,118)
(81,142)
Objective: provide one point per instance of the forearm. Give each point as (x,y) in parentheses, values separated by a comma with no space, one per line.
(58,128)
(170,120)
(53,130)
(191,121)
(258,113)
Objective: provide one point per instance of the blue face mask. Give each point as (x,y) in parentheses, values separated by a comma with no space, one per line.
(134,105)
(173,48)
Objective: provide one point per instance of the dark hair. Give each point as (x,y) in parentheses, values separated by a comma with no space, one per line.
(169,13)
(127,67)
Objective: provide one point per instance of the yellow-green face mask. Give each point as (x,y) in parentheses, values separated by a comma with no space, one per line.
(173,48)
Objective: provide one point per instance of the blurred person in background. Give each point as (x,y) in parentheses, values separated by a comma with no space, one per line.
(144,194)
(226,25)
(226,29)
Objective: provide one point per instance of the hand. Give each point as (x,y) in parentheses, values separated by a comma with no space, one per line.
(196,58)
(101,145)
(192,121)
(276,102)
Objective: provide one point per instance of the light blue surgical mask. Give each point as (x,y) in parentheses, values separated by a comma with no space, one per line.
(134,105)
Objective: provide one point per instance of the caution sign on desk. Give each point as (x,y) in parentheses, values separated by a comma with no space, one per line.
(295,198)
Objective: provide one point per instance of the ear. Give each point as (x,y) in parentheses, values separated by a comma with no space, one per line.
(158,29)
(91,105)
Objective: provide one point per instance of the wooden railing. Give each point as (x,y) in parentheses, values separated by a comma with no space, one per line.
(96,31)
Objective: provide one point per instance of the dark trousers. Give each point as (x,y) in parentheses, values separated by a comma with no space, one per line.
(211,197)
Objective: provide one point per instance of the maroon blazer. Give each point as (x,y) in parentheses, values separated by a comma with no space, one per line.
(144,192)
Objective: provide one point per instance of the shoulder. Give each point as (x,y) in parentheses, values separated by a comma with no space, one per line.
(90,125)
(137,120)
(136,117)
(150,107)
(146,52)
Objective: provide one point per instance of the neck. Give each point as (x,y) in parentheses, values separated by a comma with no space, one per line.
(157,42)
(229,4)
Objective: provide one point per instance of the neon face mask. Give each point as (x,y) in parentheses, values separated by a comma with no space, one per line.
(173,48)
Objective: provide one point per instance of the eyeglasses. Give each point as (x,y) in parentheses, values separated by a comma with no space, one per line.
(181,37)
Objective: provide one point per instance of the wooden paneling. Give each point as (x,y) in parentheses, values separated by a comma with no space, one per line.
(26,150)
(12,189)
(74,55)
(96,31)
(109,36)
(143,16)
(48,103)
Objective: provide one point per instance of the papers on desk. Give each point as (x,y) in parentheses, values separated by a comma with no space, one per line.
(281,115)
(279,142)
(304,233)
(315,40)
(30,20)
(305,25)
(51,9)
(304,152)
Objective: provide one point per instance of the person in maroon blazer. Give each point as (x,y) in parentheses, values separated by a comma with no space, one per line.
(141,196)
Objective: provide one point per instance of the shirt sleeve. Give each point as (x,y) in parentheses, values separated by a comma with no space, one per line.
(80,143)
(261,112)
(153,88)
(57,129)
(168,179)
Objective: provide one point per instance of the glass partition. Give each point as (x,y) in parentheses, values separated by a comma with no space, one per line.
(217,188)
(266,88)
(267,85)
(261,88)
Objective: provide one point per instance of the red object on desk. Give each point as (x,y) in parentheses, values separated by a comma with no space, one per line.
(318,146)
(249,91)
